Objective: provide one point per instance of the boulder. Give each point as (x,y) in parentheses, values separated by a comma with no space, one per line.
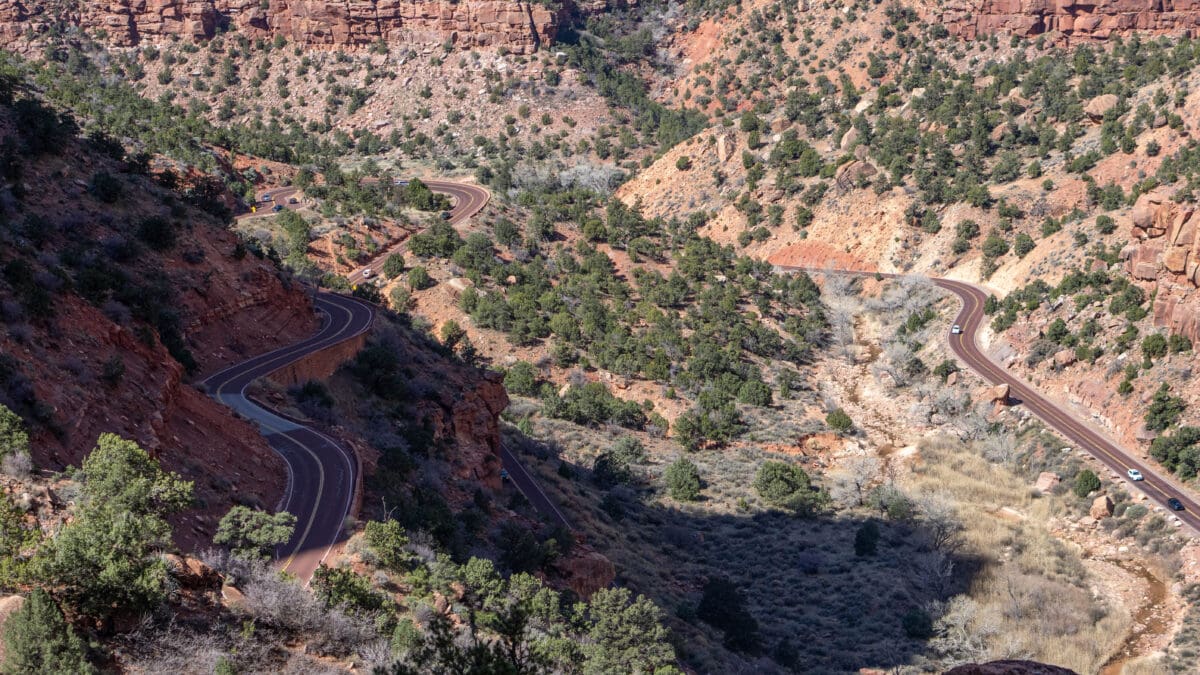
(1102,507)
(1141,216)
(724,148)
(232,598)
(849,138)
(1097,107)
(1046,481)
(588,572)
(1064,357)
(191,573)
(996,394)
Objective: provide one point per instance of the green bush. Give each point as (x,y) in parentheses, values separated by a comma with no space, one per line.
(683,480)
(521,379)
(388,542)
(683,163)
(254,534)
(917,624)
(866,539)
(787,485)
(1164,409)
(393,266)
(14,440)
(1154,346)
(723,607)
(106,560)
(106,187)
(419,279)
(342,587)
(839,421)
(1086,482)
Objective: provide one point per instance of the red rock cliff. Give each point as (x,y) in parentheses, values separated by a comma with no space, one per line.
(519,26)
(1167,252)
(1069,19)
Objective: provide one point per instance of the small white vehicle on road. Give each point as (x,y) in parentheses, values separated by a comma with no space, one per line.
(1134,474)
(956,330)
(367,272)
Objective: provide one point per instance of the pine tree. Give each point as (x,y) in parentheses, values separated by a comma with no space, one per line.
(38,640)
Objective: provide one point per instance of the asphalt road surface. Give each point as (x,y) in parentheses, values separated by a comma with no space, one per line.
(1157,486)
(321,474)
(527,484)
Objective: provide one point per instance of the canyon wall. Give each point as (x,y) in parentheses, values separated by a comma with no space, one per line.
(521,27)
(1067,19)
(1167,252)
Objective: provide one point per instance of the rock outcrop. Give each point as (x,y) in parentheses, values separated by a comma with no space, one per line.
(1068,20)
(1167,251)
(520,27)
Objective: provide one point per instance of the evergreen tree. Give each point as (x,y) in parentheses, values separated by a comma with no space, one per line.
(38,640)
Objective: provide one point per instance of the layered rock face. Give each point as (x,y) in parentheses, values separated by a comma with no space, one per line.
(1168,252)
(1072,20)
(518,26)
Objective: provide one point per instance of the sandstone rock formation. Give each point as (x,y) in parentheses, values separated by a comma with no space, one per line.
(1167,252)
(518,26)
(1068,19)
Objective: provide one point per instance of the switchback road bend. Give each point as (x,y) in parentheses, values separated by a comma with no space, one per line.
(1156,485)
(321,474)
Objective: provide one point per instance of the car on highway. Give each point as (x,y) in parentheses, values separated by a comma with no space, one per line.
(1134,474)
(445,215)
(1175,504)
(367,272)
(956,330)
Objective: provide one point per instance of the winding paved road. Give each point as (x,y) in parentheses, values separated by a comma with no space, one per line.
(321,474)
(1157,486)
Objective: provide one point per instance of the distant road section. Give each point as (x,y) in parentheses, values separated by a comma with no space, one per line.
(1156,486)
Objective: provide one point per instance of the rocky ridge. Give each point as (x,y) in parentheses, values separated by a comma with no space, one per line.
(1068,20)
(520,27)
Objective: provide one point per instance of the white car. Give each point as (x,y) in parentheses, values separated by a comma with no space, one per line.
(1134,474)
(367,272)
(956,330)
